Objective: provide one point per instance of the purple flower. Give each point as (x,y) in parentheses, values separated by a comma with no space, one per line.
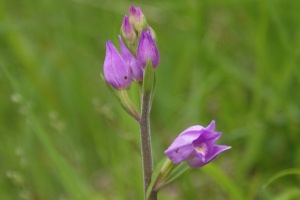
(196,145)
(127,31)
(131,62)
(137,18)
(147,50)
(116,72)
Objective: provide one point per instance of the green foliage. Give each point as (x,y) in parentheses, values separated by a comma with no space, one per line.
(64,136)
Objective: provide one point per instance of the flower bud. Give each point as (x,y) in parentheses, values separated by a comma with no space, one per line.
(127,31)
(137,18)
(147,50)
(152,32)
(131,62)
(116,72)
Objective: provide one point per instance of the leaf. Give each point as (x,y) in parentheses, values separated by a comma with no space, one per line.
(281,174)
(228,185)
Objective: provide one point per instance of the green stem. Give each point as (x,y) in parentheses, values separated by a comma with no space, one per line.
(146,144)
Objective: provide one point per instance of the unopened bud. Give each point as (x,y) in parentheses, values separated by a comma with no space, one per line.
(152,32)
(116,72)
(137,18)
(147,50)
(127,31)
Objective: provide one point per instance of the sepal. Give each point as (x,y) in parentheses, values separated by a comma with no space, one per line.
(148,81)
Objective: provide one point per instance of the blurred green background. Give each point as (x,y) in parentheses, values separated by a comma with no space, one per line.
(64,136)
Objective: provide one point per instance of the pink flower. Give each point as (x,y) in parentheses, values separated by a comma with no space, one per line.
(196,145)
(137,18)
(147,50)
(127,31)
(116,72)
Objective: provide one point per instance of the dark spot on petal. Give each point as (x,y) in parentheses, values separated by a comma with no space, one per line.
(125,77)
(177,150)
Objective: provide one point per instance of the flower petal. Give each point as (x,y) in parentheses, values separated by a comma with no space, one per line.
(179,153)
(208,136)
(195,161)
(216,150)
(131,62)
(116,73)
(147,50)
(127,31)
(211,126)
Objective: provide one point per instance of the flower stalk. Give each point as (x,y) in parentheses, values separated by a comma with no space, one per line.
(146,142)
(145,131)
(127,104)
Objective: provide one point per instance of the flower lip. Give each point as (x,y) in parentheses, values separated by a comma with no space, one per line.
(202,149)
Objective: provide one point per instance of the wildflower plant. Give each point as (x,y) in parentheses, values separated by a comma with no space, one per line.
(137,61)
